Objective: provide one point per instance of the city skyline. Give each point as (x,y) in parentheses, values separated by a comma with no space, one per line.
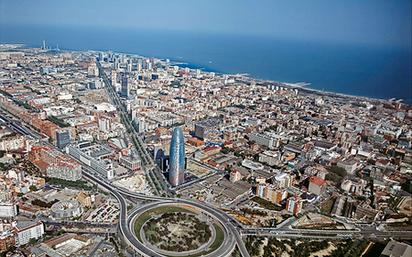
(205,128)
(266,162)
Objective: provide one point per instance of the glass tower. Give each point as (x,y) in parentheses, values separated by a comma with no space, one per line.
(177,158)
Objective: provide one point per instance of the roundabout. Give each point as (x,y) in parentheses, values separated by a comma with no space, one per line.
(127,220)
(178,229)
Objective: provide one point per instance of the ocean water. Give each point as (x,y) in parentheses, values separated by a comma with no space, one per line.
(379,72)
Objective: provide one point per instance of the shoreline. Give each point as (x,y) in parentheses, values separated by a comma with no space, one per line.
(295,85)
(330,93)
(305,86)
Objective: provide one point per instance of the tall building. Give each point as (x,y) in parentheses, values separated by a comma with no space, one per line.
(263,139)
(124,92)
(93,70)
(104,124)
(177,158)
(7,241)
(114,77)
(62,138)
(101,57)
(294,205)
(282,180)
(316,185)
(271,193)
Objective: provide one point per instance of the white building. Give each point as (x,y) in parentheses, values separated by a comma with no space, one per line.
(8,210)
(235,176)
(252,165)
(103,166)
(263,139)
(130,163)
(12,143)
(105,107)
(294,205)
(104,124)
(27,230)
(270,157)
(93,70)
(283,180)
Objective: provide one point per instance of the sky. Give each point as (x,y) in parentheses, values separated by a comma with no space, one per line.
(370,22)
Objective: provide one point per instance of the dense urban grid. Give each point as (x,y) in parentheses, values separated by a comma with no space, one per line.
(111,154)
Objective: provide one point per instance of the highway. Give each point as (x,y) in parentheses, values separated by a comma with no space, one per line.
(330,234)
(226,247)
(18,127)
(153,173)
(119,193)
(127,234)
(232,229)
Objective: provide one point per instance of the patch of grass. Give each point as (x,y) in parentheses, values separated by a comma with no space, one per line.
(59,122)
(154,212)
(220,236)
(144,217)
(327,205)
(266,204)
(80,184)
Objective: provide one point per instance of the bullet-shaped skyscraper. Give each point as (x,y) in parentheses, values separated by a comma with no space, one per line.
(177,158)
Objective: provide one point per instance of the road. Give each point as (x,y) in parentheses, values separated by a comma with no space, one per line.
(120,194)
(233,230)
(153,173)
(287,231)
(226,247)
(18,127)
(128,235)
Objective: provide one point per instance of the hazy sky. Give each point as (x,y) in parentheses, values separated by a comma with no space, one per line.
(377,22)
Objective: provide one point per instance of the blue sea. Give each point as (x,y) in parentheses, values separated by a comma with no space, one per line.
(372,71)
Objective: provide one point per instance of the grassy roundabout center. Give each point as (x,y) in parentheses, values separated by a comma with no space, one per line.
(173,229)
(177,232)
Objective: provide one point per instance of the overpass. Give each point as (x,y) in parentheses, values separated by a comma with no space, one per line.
(125,220)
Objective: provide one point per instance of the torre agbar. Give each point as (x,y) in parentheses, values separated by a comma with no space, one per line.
(177,158)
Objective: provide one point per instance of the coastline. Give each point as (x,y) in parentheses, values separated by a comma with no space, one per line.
(330,93)
(304,86)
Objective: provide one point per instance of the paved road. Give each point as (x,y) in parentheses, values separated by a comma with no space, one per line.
(313,233)
(153,173)
(17,127)
(119,193)
(225,249)
(128,235)
(231,226)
